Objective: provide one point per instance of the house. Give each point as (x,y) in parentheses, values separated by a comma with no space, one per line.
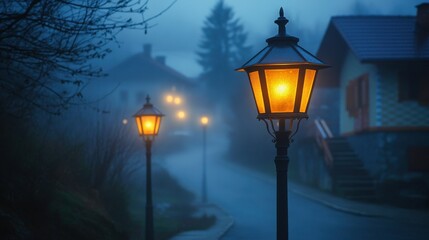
(123,92)
(142,74)
(375,97)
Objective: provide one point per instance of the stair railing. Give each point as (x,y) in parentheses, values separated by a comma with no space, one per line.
(323,133)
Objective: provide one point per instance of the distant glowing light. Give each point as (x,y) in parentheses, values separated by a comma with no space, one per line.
(204,120)
(169,99)
(125,121)
(181,115)
(177,100)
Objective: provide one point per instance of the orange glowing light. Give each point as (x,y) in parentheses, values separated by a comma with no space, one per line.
(282,85)
(204,120)
(281,89)
(181,114)
(257,91)
(177,100)
(169,99)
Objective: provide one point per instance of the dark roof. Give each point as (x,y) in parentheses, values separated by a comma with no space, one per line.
(293,53)
(383,38)
(372,39)
(143,67)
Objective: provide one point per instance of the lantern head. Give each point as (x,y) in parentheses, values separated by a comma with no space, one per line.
(282,76)
(148,120)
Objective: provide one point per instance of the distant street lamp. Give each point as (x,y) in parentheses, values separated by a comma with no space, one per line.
(177,100)
(282,78)
(148,120)
(169,99)
(204,122)
(181,115)
(172,99)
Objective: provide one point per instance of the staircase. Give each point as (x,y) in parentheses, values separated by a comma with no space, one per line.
(350,178)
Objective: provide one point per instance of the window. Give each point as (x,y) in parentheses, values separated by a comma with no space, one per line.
(413,85)
(418,158)
(357,101)
(357,95)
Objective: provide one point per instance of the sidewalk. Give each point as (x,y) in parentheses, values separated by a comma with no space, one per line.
(412,216)
(215,232)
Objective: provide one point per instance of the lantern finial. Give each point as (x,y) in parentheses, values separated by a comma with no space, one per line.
(281,22)
(282,38)
(147,99)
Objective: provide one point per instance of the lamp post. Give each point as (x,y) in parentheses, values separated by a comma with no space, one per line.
(282,78)
(204,122)
(148,120)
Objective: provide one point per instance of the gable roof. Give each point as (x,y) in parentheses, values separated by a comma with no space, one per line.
(372,39)
(142,66)
(383,38)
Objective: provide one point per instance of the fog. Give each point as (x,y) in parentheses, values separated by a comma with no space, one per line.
(184,20)
(87,165)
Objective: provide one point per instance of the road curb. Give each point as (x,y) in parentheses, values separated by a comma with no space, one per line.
(223,223)
(335,206)
(410,216)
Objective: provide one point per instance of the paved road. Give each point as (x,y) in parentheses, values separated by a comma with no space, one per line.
(250,199)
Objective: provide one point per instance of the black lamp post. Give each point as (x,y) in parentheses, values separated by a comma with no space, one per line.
(148,120)
(204,122)
(282,78)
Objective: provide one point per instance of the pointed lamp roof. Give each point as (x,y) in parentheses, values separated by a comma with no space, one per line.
(282,49)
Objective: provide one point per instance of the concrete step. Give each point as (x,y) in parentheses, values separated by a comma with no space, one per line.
(363,198)
(355,183)
(355,191)
(350,171)
(348,163)
(351,178)
(354,178)
(339,154)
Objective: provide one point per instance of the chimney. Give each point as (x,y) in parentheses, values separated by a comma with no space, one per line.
(147,50)
(422,19)
(160,59)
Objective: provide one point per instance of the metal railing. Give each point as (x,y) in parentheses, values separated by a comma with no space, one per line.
(322,134)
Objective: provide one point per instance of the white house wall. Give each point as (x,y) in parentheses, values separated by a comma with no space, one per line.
(391,112)
(352,69)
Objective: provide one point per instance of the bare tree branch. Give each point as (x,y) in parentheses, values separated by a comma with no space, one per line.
(46,47)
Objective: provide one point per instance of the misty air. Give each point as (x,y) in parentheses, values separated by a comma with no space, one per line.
(218,119)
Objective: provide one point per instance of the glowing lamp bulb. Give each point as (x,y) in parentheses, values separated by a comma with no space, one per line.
(181,114)
(169,99)
(281,89)
(177,100)
(204,120)
(148,124)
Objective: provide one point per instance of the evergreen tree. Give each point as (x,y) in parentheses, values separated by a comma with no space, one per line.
(223,46)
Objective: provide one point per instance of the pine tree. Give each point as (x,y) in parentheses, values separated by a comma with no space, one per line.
(223,46)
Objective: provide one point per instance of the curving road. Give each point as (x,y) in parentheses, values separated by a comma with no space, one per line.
(249,198)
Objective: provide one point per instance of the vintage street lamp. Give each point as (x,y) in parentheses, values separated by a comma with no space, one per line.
(148,120)
(181,115)
(282,78)
(204,122)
